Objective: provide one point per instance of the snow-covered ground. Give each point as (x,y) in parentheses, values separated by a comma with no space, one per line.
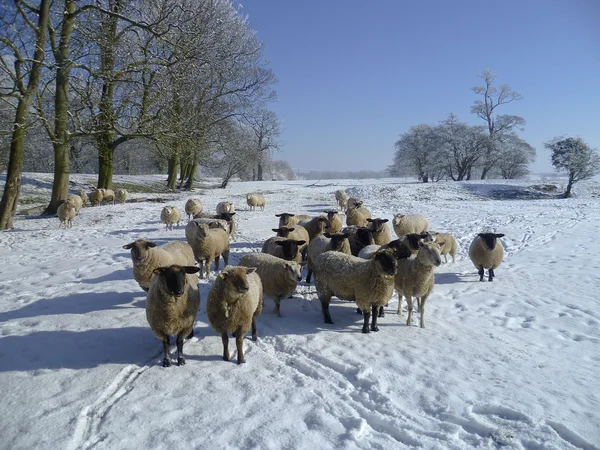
(512,364)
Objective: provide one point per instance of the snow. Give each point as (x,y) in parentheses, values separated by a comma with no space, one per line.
(511,364)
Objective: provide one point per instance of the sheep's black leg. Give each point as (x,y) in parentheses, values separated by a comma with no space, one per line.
(191,335)
(480,272)
(180,358)
(491,275)
(254,333)
(358,311)
(367,316)
(239,343)
(166,348)
(381,311)
(326,315)
(308,275)
(225,339)
(374,310)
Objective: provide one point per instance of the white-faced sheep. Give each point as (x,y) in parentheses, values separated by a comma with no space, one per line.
(96,197)
(342,199)
(234,302)
(369,283)
(171,307)
(84,197)
(409,223)
(230,221)
(289,219)
(334,221)
(358,237)
(315,226)
(354,202)
(279,277)
(447,245)
(415,279)
(147,256)
(76,201)
(108,196)
(170,215)
(486,252)
(121,195)
(66,213)
(337,242)
(225,207)
(380,231)
(208,244)
(285,248)
(193,207)
(255,200)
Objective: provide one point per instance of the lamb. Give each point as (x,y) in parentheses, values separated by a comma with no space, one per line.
(169,216)
(121,195)
(193,207)
(108,195)
(410,223)
(171,307)
(447,245)
(66,213)
(380,231)
(84,197)
(370,283)
(285,248)
(289,220)
(96,197)
(225,207)
(358,237)
(337,242)
(147,257)
(77,202)
(279,277)
(234,302)
(315,226)
(254,200)
(334,222)
(357,215)
(208,244)
(486,252)
(415,279)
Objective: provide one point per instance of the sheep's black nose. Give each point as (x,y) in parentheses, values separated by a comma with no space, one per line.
(179,292)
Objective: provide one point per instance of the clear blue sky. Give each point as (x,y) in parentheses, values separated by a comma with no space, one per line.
(353,75)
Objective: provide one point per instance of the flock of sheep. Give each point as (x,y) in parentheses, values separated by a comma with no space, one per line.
(67,210)
(359,262)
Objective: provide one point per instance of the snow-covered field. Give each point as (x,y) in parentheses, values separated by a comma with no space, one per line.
(513,364)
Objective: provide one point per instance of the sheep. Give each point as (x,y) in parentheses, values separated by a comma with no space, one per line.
(66,213)
(447,245)
(279,277)
(342,199)
(234,302)
(147,256)
(354,202)
(328,242)
(334,221)
(171,307)
(96,197)
(190,228)
(108,195)
(314,226)
(77,202)
(403,248)
(227,217)
(193,207)
(289,220)
(285,248)
(84,197)
(208,244)
(225,207)
(121,195)
(170,215)
(340,193)
(379,230)
(415,279)
(357,215)
(486,252)
(370,283)
(254,200)
(410,223)
(358,237)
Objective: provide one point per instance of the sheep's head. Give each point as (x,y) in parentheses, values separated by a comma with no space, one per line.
(174,279)
(228,216)
(322,223)
(330,214)
(377,225)
(364,237)
(401,251)
(397,218)
(139,250)
(293,271)
(283,231)
(337,239)
(204,228)
(236,282)
(284,218)
(413,240)
(290,248)
(429,254)
(489,239)
(387,262)
(168,210)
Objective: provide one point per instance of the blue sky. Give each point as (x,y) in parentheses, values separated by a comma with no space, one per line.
(353,75)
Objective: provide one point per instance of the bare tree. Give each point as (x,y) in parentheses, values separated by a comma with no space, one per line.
(418,153)
(498,125)
(576,157)
(515,157)
(266,128)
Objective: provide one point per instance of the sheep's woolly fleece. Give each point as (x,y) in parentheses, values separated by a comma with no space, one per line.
(511,363)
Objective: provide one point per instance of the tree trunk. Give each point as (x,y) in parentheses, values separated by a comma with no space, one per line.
(569,186)
(484,172)
(60,186)
(172,180)
(425,178)
(260,172)
(12,187)
(105,171)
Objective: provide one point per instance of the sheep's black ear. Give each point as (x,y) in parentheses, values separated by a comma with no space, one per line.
(480,235)
(300,242)
(369,220)
(128,246)
(191,269)
(150,245)
(385,220)
(276,230)
(277,215)
(158,270)
(499,235)
(327,235)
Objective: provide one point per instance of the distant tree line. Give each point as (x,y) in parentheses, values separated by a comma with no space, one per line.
(341,175)
(133,87)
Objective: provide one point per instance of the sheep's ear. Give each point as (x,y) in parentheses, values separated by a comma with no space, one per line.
(223,275)
(150,244)
(232,214)
(191,269)
(277,215)
(300,242)
(499,235)
(287,265)
(250,270)
(385,220)
(276,230)
(158,270)
(327,235)
(128,246)
(369,220)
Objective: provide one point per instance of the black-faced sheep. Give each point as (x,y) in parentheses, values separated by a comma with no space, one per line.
(486,252)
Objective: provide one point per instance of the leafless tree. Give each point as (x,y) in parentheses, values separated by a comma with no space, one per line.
(266,128)
(418,152)
(515,157)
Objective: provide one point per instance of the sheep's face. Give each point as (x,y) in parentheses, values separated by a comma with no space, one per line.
(401,251)
(284,218)
(414,240)
(236,282)
(429,254)
(337,240)
(290,248)
(322,222)
(293,271)
(174,279)
(283,231)
(167,210)
(377,224)
(489,239)
(387,262)
(397,218)
(139,250)
(364,236)
(330,215)
(204,228)
(227,216)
